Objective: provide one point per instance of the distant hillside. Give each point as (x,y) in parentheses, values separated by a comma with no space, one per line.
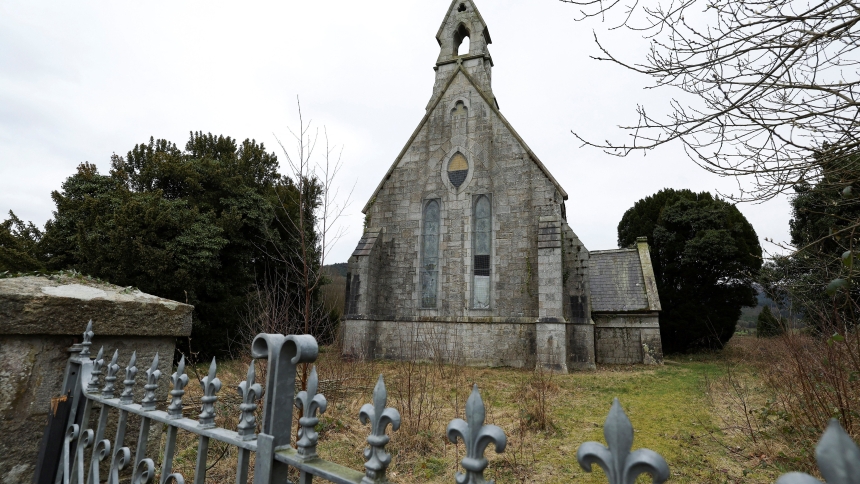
(336,269)
(749,316)
(334,291)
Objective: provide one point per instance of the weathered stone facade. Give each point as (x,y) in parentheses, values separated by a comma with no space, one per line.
(467,243)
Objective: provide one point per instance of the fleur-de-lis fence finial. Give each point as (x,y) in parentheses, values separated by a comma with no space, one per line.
(110,378)
(837,456)
(621,465)
(211,386)
(152,376)
(87,341)
(179,380)
(127,395)
(477,437)
(311,404)
(250,393)
(379,417)
(98,364)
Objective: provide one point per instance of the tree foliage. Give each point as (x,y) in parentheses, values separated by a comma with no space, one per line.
(767,324)
(19,246)
(706,256)
(198,225)
(816,280)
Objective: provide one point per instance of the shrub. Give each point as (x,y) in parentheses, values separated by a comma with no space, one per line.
(768,325)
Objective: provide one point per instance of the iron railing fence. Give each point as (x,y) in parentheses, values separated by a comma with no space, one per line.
(93,382)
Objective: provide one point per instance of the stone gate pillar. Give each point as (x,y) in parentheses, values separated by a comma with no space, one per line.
(40,319)
(551,327)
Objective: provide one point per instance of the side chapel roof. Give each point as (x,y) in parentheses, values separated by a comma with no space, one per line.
(622,280)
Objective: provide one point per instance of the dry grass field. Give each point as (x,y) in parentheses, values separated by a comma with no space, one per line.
(701,412)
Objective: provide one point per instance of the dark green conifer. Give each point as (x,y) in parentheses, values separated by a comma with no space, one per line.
(768,325)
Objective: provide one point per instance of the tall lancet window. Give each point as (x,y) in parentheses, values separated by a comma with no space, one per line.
(481,253)
(430,255)
(459,119)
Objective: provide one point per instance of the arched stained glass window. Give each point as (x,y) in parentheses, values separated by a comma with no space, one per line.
(481,253)
(430,254)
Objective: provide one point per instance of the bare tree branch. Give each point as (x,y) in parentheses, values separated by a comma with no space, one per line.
(772,85)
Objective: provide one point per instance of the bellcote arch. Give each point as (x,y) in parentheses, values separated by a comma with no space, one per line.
(447,160)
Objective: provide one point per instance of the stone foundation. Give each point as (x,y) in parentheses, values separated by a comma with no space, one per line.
(626,339)
(462,342)
(620,339)
(580,346)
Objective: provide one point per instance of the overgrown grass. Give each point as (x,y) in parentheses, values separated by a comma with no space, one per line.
(682,410)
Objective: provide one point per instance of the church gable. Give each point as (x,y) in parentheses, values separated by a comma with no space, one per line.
(467,242)
(465,117)
(465,161)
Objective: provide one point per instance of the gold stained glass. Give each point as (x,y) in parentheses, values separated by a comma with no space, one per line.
(458,168)
(458,162)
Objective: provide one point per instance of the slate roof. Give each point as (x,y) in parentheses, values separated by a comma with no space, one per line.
(368,240)
(617,281)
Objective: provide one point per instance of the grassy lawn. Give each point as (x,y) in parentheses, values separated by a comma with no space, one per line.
(673,409)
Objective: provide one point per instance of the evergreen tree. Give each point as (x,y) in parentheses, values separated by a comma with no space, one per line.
(816,280)
(705,255)
(767,324)
(19,246)
(196,226)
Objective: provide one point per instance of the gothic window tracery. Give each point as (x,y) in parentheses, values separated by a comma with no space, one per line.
(459,119)
(481,252)
(430,255)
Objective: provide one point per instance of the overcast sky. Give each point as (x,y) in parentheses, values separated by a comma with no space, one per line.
(82,80)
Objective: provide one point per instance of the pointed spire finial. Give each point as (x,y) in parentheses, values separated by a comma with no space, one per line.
(87,341)
(127,395)
(180,380)
(110,379)
(211,386)
(98,363)
(152,376)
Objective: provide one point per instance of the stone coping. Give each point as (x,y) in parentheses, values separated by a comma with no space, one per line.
(469,320)
(62,305)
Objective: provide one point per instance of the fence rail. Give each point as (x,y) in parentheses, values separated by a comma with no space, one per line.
(93,381)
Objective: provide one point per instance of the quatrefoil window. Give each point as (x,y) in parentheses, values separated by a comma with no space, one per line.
(458,168)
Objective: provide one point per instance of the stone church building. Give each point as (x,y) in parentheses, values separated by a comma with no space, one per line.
(467,255)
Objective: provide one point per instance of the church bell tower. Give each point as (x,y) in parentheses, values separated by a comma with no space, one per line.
(463,23)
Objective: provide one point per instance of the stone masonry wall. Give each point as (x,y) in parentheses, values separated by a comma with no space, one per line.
(499,166)
(627,339)
(577,303)
(469,343)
